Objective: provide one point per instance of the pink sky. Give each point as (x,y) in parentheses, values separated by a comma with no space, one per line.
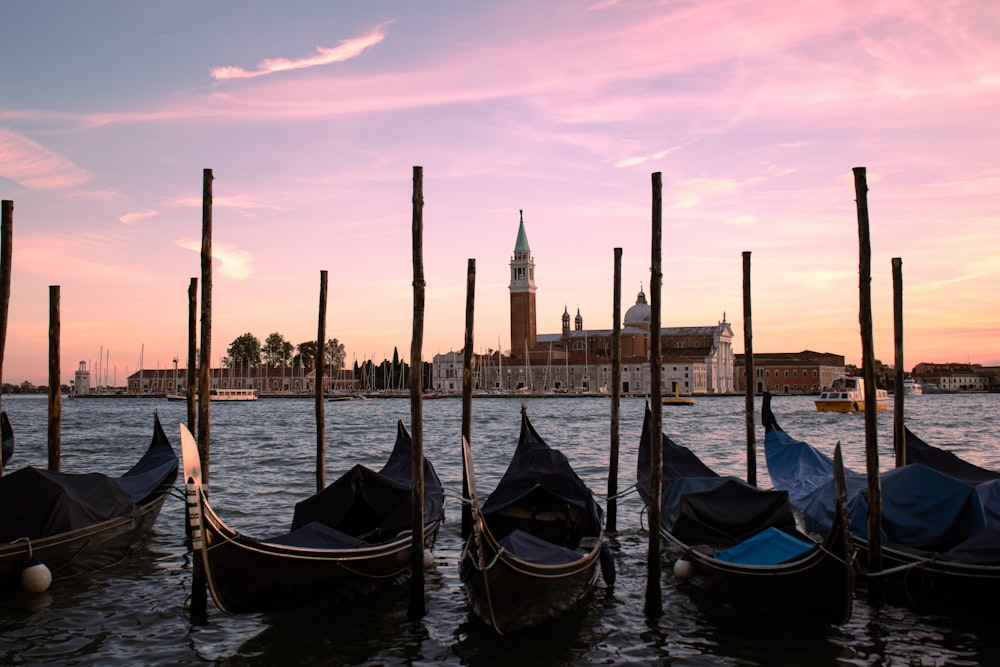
(312,116)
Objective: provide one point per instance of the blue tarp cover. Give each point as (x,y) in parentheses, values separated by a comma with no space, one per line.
(770,546)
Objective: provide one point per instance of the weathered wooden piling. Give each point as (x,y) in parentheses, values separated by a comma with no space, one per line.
(899,400)
(6,255)
(616,393)
(654,596)
(470,303)
(749,372)
(55,395)
(192,356)
(875,592)
(418,606)
(199,589)
(205,357)
(320,359)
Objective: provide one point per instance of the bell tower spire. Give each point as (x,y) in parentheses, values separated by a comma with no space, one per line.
(523,333)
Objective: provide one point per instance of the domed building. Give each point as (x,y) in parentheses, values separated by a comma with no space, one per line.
(695,360)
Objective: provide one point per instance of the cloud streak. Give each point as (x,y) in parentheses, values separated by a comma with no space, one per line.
(346,50)
(34,166)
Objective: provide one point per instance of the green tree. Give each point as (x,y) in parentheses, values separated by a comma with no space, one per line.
(244,352)
(333,354)
(277,351)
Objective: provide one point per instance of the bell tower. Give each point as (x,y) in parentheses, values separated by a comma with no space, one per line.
(523,333)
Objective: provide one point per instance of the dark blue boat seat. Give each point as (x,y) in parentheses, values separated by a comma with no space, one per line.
(316,535)
(770,546)
(527,547)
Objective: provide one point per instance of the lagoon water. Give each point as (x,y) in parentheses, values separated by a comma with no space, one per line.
(263,461)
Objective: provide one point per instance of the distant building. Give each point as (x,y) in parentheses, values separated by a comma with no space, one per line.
(695,360)
(805,372)
(81,380)
(955,377)
(265,380)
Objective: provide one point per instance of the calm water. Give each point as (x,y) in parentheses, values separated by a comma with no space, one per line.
(263,462)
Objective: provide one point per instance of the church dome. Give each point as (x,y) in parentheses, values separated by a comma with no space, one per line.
(638,315)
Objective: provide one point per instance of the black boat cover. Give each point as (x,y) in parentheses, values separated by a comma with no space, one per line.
(527,547)
(536,466)
(39,503)
(700,507)
(374,505)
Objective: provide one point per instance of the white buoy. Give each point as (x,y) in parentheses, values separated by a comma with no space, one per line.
(428,559)
(683,569)
(36,577)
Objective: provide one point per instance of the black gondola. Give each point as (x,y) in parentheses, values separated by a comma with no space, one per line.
(350,539)
(537,543)
(6,439)
(940,528)
(741,543)
(78,523)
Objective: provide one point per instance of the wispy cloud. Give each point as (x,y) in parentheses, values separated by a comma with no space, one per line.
(233,262)
(34,166)
(347,49)
(633,161)
(136,216)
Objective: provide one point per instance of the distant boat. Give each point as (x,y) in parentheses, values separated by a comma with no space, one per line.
(912,388)
(932,388)
(221,395)
(847,394)
(677,399)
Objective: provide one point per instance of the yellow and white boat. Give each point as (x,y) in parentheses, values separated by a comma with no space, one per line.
(847,394)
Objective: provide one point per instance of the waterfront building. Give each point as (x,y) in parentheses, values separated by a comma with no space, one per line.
(695,360)
(951,377)
(805,372)
(266,380)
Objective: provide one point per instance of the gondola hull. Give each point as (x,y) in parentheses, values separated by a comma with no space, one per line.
(244,574)
(61,520)
(511,594)
(80,551)
(782,572)
(817,588)
(247,575)
(537,544)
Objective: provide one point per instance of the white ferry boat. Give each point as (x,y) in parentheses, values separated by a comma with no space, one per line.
(847,394)
(221,395)
(912,388)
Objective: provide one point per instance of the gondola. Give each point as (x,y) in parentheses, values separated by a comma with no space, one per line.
(537,544)
(939,547)
(77,523)
(350,539)
(6,439)
(741,543)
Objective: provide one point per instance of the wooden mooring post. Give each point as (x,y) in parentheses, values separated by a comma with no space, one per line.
(418,606)
(899,400)
(616,393)
(320,394)
(6,254)
(654,595)
(875,589)
(749,373)
(470,303)
(55,395)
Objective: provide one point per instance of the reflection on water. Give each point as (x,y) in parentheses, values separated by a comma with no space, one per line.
(262,462)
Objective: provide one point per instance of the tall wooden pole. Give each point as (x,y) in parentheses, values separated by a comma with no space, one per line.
(616,392)
(470,303)
(898,417)
(192,357)
(205,357)
(199,590)
(55,396)
(654,596)
(320,363)
(418,606)
(749,377)
(6,254)
(875,592)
